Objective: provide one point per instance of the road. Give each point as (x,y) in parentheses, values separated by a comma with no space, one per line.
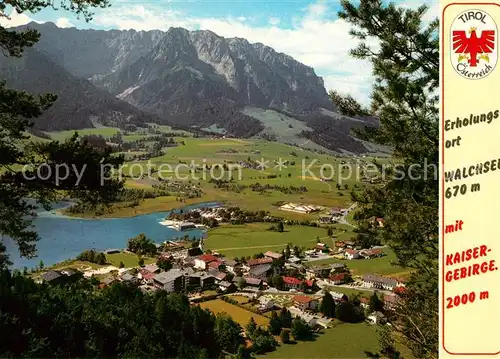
(343,219)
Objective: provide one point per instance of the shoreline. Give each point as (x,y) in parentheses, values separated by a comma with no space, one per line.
(59,212)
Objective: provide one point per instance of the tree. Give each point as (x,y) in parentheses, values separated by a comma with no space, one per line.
(164,263)
(376,305)
(100,258)
(285,318)
(281,227)
(227,333)
(329,232)
(242,352)
(274,324)
(328,305)
(122,265)
(141,262)
(263,342)
(79,320)
(288,251)
(405,101)
(278,282)
(300,329)
(251,327)
(17,110)
(348,312)
(296,251)
(241,283)
(140,245)
(303,286)
(285,336)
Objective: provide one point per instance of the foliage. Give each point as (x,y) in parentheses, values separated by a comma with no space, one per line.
(251,327)
(227,333)
(285,318)
(285,336)
(17,110)
(328,305)
(140,245)
(300,329)
(72,321)
(405,100)
(263,341)
(349,313)
(241,283)
(376,304)
(92,257)
(164,263)
(278,282)
(274,324)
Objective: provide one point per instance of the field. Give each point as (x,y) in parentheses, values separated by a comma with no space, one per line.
(342,341)
(238,314)
(380,265)
(252,238)
(299,168)
(103,131)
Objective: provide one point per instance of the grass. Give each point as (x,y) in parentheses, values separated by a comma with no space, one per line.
(238,314)
(342,341)
(252,238)
(128,259)
(303,168)
(380,265)
(103,131)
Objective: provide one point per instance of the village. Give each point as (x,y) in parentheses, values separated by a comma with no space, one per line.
(265,283)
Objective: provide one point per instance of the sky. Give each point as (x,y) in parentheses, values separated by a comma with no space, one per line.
(309,31)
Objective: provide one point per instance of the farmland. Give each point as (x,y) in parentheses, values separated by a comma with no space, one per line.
(246,240)
(380,265)
(342,341)
(238,314)
(299,168)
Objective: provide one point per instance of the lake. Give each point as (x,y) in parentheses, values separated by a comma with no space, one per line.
(64,237)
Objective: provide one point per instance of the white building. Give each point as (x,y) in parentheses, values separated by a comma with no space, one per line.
(351,254)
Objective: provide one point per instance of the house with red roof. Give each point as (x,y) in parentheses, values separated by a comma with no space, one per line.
(371,253)
(351,254)
(292,283)
(340,278)
(304,303)
(146,276)
(256,262)
(204,260)
(215,264)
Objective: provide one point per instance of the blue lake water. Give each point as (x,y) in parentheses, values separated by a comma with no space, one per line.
(63,237)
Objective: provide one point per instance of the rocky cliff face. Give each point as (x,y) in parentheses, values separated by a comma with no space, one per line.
(252,74)
(189,78)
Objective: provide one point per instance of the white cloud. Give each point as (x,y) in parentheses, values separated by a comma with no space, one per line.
(15,19)
(64,22)
(274,21)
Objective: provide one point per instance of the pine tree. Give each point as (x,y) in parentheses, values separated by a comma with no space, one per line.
(328,305)
(17,111)
(405,100)
(251,327)
(274,324)
(376,303)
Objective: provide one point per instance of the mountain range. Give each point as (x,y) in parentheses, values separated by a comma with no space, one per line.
(178,77)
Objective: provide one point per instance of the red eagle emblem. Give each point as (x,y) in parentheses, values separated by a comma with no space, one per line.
(473,45)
